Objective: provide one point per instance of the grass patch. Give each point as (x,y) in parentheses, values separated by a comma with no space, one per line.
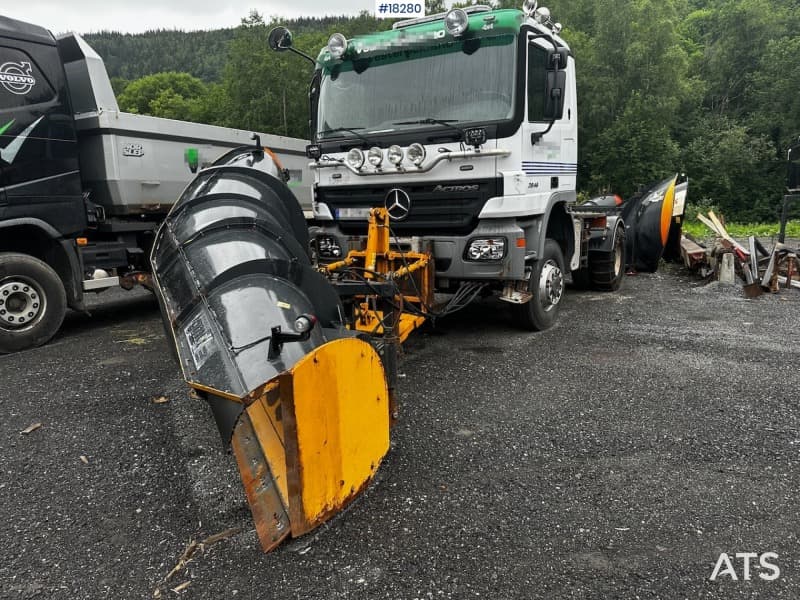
(741,230)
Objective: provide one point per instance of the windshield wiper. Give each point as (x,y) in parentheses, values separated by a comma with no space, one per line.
(348,130)
(430,121)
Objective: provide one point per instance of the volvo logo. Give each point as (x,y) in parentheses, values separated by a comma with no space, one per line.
(398,204)
(17,78)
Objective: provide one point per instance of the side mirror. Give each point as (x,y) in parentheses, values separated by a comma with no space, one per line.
(554,94)
(557,59)
(280,39)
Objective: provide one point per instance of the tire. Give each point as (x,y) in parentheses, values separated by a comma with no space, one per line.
(607,269)
(581,279)
(546,283)
(32,302)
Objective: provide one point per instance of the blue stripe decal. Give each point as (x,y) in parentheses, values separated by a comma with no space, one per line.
(549,168)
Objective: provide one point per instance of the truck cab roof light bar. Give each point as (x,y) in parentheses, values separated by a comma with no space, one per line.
(478,8)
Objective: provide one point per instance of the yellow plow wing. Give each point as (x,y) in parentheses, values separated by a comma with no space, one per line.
(313,439)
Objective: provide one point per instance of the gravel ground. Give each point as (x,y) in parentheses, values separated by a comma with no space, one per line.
(614,456)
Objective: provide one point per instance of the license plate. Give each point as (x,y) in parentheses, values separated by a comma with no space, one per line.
(355,214)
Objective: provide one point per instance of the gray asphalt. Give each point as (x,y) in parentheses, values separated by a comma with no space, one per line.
(614,456)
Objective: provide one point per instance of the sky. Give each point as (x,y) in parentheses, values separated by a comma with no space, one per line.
(86,16)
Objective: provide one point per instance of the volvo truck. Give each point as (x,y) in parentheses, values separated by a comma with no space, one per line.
(83,186)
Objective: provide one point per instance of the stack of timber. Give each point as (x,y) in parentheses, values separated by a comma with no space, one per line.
(725,260)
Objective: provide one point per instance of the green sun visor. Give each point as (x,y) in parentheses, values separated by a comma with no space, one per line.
(487,28)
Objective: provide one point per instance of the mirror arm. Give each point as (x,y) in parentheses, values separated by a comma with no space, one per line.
(537,135)
(303,54)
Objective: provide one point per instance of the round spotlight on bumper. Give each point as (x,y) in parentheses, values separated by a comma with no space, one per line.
(375,156)
(395,154)
(416,153)
(355,158)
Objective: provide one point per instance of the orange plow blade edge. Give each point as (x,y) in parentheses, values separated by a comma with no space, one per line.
(313,439)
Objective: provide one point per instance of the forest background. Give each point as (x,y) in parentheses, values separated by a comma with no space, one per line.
(709,88)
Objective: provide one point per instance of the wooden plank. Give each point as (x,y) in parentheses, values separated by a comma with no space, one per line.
(705,221)
(753,256)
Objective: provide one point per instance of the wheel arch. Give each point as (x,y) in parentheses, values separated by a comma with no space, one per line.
(40,240)
(555,223)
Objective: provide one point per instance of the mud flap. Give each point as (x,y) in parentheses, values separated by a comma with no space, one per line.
(313,440)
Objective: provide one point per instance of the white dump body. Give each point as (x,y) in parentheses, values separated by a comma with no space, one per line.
(135,164)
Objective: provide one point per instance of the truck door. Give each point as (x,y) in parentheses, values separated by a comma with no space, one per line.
(38,150)
(549,147)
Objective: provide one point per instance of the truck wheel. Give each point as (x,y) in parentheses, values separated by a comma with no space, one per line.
(32,302)
(606,269)
(547,286)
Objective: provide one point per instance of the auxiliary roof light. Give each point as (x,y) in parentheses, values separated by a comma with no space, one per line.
(337,45)
(542,15)
(456,21)
(529,7)
(556,28)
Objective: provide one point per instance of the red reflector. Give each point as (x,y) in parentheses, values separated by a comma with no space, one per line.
(520,242)
(598,222)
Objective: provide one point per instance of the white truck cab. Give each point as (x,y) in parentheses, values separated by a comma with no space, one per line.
(464,126)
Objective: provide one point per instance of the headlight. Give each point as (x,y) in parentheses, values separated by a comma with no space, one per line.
(456,22)
(416,153)
(328,247)
(375,156)
(355,158)
(486,249)
(395,154)
(337,45)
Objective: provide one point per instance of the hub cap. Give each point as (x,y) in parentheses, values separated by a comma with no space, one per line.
(551,285)
(21,303)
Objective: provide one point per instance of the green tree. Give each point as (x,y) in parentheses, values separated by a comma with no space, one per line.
(170,95)
(734,169)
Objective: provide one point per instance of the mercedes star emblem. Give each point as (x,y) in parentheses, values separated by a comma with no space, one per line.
(398,204)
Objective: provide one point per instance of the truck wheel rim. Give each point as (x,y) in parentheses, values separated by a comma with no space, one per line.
(617,259)
(551,285)
(22,303)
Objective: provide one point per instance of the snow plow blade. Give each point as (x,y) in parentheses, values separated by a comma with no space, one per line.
(313,439)
(259,335)
(648,218)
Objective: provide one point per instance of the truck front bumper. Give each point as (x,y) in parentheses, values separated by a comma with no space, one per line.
(450,253)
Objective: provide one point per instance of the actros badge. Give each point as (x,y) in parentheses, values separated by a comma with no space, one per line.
(17,78)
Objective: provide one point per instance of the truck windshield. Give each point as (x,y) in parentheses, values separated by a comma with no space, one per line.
(457,82)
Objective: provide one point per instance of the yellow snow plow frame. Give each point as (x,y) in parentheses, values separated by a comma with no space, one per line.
(412,271)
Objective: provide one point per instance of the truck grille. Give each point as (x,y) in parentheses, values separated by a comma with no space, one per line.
(433,211)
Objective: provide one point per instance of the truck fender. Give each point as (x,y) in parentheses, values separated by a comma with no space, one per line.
(555,223)
(616,226)
(61,255)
